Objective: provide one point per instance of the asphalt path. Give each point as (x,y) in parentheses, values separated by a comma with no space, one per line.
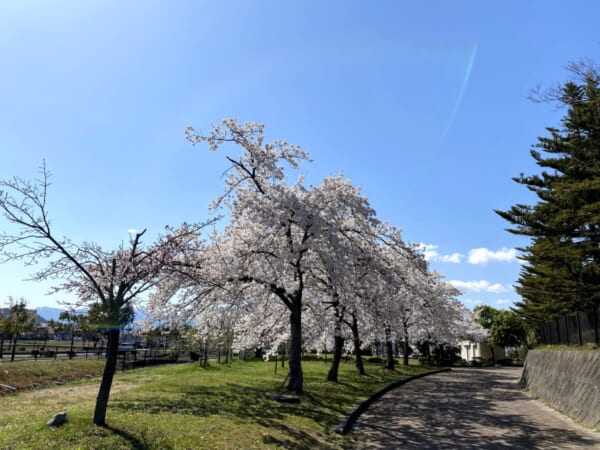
(467,409)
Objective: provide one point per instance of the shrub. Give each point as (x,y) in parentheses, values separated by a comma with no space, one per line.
(480,362)
(505,362)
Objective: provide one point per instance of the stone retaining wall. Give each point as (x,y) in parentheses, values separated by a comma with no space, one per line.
(569,380)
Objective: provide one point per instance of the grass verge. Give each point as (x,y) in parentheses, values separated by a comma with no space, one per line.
(28,374)
(588,346)
(186,406)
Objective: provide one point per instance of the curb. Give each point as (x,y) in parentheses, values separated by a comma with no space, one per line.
(348,423)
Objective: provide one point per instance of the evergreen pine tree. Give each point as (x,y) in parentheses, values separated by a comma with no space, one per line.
(561,274)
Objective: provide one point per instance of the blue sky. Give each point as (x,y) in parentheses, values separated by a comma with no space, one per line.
(423,104)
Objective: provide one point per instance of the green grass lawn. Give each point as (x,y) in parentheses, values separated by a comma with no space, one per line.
(186,406)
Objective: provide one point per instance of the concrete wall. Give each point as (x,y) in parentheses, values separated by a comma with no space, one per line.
(569,380)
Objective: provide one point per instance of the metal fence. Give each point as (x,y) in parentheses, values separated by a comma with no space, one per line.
(129,356)
(33,350)
(578,329)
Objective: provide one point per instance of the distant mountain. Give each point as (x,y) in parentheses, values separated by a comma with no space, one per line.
(49,313)
(39,318)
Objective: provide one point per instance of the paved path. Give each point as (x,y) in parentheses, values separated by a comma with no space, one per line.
(467,409)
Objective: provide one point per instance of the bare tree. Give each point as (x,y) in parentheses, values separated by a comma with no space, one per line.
(110,279)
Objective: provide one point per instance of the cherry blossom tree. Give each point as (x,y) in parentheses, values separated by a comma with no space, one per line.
(272,223)
(401,276)
(348,221)
(110,281)
(319,250)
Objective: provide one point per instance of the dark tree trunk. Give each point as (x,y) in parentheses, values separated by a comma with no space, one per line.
(493,353)
(597,325)
(360,366)
(428,352)
(206,350)
(14,347)
(338,345)
(110,366)
(296,379)
(405,359)
(72,343)
(389,350)
(1,346)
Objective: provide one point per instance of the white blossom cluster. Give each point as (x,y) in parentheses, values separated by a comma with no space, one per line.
(305,266)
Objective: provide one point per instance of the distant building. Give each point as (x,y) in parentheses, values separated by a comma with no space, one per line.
(470,350)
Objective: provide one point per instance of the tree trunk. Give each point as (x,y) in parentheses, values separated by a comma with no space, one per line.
(14,347)
(405,359)
(428,352)
(296,379)
(206,350)
(360,366)
(110,366)
(1,346)
(596,325)
(72,343)
(338,345)
(389,350)
(493,353)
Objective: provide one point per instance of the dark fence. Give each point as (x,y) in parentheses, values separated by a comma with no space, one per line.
(128,358)
(32,350)
(579,329)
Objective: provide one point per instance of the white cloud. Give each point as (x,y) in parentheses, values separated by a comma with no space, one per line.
(453,258)
(430,254)
(504,301)
(472,301)
(478,286)
(484,255)
(428,250)
(496,288)
(132,231)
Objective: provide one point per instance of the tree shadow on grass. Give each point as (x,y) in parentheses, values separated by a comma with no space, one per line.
(318,402)
(233,400)
(133,441)
(295,439)
(248,404)
(325,404)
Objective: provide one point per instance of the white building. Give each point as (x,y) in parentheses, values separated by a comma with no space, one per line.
(470,350)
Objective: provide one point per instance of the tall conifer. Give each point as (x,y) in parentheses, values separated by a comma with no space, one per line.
(561,274)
